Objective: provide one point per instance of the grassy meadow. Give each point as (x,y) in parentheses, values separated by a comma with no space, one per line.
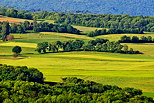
(124,70)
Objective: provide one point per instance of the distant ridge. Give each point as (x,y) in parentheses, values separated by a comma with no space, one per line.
(131,7)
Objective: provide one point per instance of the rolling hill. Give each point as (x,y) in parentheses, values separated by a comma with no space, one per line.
(132,7)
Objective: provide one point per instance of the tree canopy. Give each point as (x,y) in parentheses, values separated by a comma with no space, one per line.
(16,49)
(132,7)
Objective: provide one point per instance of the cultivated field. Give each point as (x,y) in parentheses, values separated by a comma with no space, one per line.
(10,19)
(13,20)
(124,70)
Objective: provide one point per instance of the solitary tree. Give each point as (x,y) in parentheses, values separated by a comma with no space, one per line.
(16,50)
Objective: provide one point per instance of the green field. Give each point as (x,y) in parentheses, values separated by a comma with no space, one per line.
(124,70)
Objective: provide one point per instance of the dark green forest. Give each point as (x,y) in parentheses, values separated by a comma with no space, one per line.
(20,84)
(132,7)
(108,21)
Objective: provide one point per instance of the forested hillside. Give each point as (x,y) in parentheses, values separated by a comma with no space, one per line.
(132,7)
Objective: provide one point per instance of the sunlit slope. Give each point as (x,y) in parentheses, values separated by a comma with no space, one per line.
(132,70)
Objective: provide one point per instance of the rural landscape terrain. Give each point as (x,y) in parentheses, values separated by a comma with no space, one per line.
(117,51)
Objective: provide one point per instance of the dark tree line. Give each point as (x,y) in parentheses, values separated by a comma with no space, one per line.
(71,45)
(135,39)
(20,84)
(114,31)
(100,45)
(48,27)
(16,13)
(6,28)
(104,45)
(15,27)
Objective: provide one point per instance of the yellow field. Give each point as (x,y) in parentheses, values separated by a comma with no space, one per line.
(22,20)
(18,19)
(30,45)
(107,68)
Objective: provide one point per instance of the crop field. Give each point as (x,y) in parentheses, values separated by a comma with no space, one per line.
(13,20)
(107,68)
(47,37)
(124,70)
(10,19)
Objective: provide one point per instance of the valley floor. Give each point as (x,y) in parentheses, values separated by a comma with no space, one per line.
(107,68)
(124,70)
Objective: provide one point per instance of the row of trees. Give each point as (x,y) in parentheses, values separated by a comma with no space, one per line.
(71,45)
(19,84)
(104,45)
(20,28)
(16,13)
(100,45)
(114,31)
(37,27)
(48,27)
(14,27)
(135,39)
(6,28)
